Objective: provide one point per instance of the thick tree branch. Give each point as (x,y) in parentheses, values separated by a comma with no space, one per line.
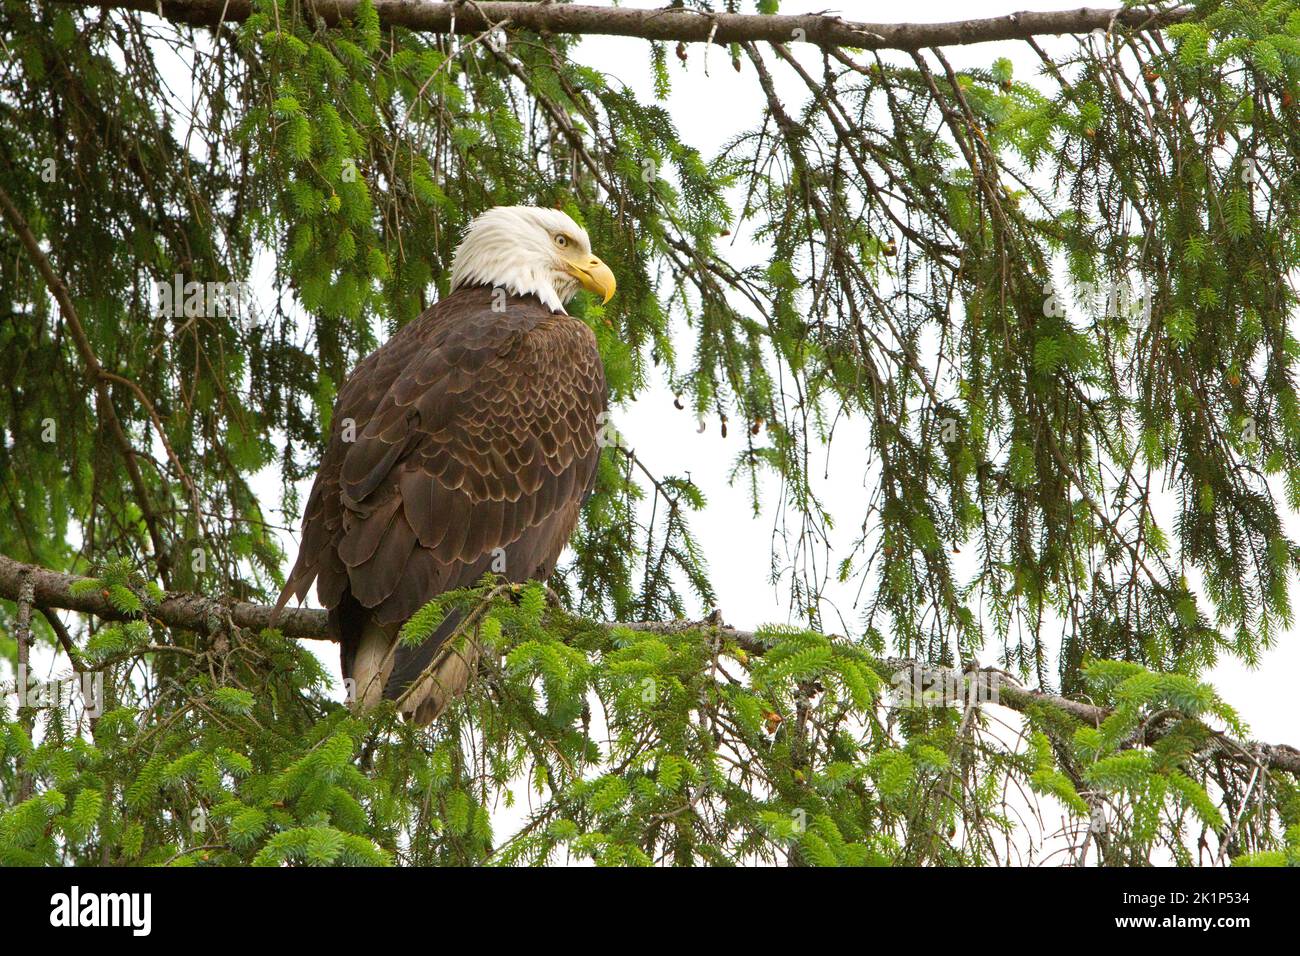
(191,612)
(194,612)
(683,25)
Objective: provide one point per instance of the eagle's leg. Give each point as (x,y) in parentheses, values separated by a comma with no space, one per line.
(449,676)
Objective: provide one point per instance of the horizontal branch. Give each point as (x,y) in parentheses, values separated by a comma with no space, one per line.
(190,612)
(194,612)
(682,25)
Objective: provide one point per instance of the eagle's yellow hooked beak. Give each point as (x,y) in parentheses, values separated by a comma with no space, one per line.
(594,276)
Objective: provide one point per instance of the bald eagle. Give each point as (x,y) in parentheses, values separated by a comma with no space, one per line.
(465,444)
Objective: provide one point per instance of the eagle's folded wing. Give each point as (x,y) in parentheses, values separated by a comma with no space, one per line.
(475,438)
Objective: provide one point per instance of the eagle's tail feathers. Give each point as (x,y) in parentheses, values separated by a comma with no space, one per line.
(446,675)
(371,666)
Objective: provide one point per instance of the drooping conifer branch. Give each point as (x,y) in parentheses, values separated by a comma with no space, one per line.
(687,26)
(195,612)
(98,375)
(922,209)
(23,634)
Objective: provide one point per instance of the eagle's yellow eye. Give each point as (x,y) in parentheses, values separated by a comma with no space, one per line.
(561,240)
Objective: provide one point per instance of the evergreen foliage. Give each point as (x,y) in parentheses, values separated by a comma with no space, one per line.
(1055,313)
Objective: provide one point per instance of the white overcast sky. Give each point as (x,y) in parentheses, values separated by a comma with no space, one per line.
(738,545)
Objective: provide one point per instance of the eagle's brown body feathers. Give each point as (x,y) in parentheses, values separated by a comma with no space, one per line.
(475,439)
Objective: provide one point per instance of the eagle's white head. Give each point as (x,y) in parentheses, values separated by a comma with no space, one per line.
(528,250)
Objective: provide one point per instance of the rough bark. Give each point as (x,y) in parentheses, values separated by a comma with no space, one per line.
(190,612)
(683,25)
